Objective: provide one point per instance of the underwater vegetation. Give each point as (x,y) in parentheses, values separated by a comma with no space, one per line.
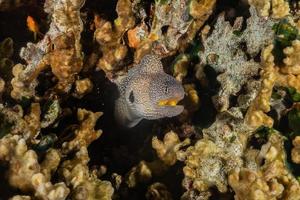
(150,99)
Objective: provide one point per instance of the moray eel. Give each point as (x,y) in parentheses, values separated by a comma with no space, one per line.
(147,92)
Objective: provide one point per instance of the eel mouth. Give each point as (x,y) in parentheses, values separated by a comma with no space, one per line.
(169,102)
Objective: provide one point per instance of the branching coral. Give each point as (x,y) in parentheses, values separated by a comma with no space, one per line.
(85,134)
(20,88)
(6,52)
(60,48)
(43,161)
(19,197)
(28,126)
(204,166)
(275,8)
(166,150)
(25,172)
(208,162)
(82,87)
(110,36)
(13,4)
(85,185)
(287,76)
(292,60)
(172,28)
(158,191)
(139,173)
(256,113)
(272,180)
(296,150)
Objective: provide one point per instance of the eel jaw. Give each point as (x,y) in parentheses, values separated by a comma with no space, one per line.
(169,102)
(169,107)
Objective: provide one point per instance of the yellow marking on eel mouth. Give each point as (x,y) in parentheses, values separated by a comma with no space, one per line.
(168,102)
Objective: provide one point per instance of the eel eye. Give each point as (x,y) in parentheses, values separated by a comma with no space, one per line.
(131,97)
(166,90)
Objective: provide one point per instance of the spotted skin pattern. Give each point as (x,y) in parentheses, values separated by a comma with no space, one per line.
(145,85)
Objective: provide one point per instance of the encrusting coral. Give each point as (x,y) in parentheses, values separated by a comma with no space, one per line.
(227,57)
(208,162)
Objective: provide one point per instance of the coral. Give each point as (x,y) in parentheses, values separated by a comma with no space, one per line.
(64,61)
(45,190)
(83,87)
(193,100)
(140,173)
(272,180)
(19,197)
(25,172)
(296,150)
(84,184)
(256,116)
(289,80)
(180,66)
(292,60)
(85,134)
(263,7)
(240,79)
(272,75)
(144,171)
(6,63)
(28,125)
(158,191)
(200,11)
(6,5)
(276,8)
(208,162)
(280,8)
(20,88)
(2,85)
(60,48)
(110,36)
(166,150)
(173,15)
(223,52)
(192,194)
(204,166)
